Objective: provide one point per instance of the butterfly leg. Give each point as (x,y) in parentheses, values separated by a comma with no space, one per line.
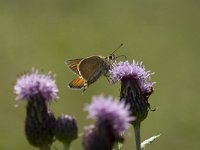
(109,79)
(85,87)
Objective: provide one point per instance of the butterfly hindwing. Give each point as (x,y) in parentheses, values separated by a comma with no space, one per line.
(78,83)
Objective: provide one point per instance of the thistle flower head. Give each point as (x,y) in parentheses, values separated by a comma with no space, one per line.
(66,129)
(135,87)
(115,113)
(136,70)
(34,83)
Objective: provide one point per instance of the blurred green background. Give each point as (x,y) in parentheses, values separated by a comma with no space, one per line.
(165,35)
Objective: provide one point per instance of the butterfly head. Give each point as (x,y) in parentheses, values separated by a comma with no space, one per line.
(110,59)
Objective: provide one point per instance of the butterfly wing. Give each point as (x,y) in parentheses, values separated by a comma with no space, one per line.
(72,65)
(77,83)
(92,68)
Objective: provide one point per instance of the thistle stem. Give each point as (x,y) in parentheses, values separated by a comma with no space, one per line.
(66,146)
(45,147)
(137,136)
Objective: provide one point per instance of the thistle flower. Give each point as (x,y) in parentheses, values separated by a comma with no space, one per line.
(112,118)
(33,84)
(37,89)
(111,110)
(135,91)
(66,129)
(135,87)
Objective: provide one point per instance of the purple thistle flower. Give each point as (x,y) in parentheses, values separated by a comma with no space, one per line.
(135,91)
(117,113)
(135,70)
(38,89)
(34,83)
(135,86)
(66,129)
(112,118)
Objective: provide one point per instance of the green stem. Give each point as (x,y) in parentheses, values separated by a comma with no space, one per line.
(66,146)
(45,147)
(137,136)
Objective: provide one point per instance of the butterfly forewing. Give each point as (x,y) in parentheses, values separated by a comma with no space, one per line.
(91,67)
(77,83)
(72,64)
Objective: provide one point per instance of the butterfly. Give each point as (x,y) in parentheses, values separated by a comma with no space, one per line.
(89,69)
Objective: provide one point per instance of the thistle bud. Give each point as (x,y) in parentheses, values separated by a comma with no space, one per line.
(66,129)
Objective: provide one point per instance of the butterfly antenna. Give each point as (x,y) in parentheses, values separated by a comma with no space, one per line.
(117,48)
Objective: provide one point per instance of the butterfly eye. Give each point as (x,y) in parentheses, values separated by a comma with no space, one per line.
(111,57)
